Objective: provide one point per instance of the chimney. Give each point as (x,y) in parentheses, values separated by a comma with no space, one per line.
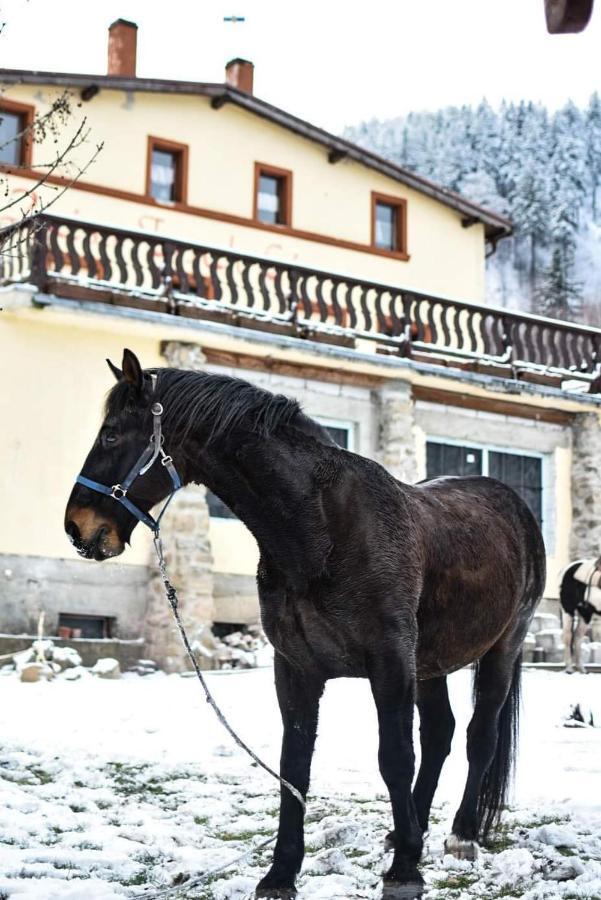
(123,37)
(239,74)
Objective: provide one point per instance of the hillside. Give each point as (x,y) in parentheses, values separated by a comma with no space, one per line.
(541,169)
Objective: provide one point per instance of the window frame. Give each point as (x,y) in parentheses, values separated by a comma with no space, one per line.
(285,175)
(343,424)
(547,493)
(181,181)
(400,205)
(27,113)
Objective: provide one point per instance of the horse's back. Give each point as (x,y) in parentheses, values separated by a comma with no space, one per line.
(483,568)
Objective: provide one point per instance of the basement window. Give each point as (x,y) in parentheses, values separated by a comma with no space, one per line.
(167,171)
(82,626)
(388,223)
(273,195)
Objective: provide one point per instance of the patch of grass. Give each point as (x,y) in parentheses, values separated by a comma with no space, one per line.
(201,820)
(42,776)
(501,839)
(355,854)
(510,891)
(140,878)
(456,882)
(242,835)
(567,851)
(129,781)
(538,821)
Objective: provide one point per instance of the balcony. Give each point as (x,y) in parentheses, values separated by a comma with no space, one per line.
(85,261)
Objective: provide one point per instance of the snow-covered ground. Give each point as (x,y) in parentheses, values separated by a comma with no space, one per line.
(112,788)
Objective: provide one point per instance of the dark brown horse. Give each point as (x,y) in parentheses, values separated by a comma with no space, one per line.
(360,575)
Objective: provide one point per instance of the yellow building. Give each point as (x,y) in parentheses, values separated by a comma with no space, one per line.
(214,230)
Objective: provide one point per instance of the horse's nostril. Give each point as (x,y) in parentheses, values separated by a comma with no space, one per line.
(73,531)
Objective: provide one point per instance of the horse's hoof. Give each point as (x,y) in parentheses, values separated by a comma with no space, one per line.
(275,893)
(405,890)
(461,849)
(275,889)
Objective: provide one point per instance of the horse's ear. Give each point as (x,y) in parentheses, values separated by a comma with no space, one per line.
(115,370)
(132,370)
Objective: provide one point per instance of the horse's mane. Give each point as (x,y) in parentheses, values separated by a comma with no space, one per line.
(219,401)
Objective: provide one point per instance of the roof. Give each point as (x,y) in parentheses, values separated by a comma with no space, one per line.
(495,226)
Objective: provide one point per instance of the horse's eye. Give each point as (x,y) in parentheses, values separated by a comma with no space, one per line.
(110,438)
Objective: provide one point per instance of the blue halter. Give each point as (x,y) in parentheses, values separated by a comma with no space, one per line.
(152,451)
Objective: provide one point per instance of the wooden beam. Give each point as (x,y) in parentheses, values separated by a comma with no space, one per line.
(493,405)
(291,369)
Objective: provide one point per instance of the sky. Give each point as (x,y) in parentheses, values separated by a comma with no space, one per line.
(331,62)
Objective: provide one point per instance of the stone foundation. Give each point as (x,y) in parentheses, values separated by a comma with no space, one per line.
(397,440)
(586,487)
(185,535)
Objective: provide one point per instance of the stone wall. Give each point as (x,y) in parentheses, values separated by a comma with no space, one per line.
(397,438)
(187,547)
(586,487)
(32,584)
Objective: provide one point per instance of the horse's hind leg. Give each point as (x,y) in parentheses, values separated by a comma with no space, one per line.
(436,727)
(579,635)
(491,737)
(568,636)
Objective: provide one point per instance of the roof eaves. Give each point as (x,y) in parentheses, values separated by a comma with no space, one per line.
(496,226)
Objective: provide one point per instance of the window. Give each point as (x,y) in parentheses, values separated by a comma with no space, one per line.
(342,432)
(388,223)
(167,171)
(522,472)
(217,508)
(94,627)
(273,195)
(15,146)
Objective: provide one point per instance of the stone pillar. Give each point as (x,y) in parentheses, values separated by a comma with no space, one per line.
(585,539)
(397,438)
(187,546)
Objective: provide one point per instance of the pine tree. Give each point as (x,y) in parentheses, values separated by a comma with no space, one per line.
(557,294)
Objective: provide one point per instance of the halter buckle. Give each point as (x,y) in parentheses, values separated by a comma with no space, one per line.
(118,492)
(165,460)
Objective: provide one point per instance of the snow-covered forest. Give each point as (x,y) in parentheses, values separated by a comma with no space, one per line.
(541,169)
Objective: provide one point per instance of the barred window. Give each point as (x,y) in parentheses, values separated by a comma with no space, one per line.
(520,471)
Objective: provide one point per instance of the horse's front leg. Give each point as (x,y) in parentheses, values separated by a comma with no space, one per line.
(392,677)
(298,696)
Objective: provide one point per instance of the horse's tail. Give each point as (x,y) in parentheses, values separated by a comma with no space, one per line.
(498,777)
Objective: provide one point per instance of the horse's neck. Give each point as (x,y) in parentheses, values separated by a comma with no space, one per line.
(270,485)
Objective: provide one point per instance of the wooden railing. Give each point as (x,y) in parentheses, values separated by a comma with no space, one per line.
(90,261)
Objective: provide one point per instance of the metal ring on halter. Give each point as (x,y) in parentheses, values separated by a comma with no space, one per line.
(118,492)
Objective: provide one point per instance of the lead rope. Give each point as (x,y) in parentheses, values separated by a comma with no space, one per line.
(171,595)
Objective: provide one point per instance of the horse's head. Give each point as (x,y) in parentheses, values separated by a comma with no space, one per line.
(96,523)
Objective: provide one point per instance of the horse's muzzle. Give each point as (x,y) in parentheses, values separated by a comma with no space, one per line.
(92,536)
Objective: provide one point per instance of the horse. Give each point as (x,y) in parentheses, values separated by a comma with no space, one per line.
(360,575)
(580,600)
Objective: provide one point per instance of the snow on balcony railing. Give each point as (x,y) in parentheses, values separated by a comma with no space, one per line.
(65,256)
